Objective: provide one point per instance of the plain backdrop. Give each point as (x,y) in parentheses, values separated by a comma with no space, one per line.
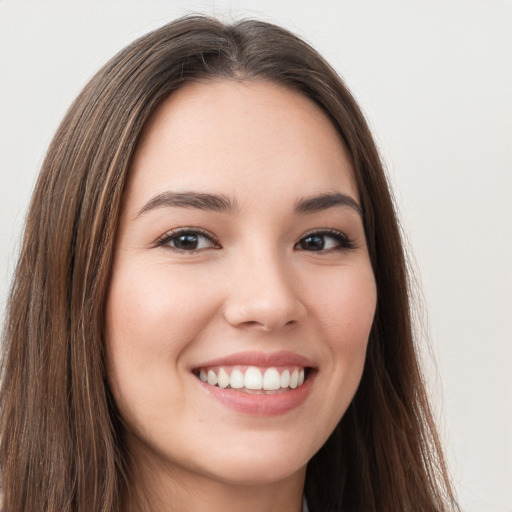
(435,81)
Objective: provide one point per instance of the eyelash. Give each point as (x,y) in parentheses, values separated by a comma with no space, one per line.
(176,233)
(344,243)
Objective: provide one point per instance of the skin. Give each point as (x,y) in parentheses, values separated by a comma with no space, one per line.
(254,288)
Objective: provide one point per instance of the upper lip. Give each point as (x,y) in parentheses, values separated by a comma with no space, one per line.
(261,359)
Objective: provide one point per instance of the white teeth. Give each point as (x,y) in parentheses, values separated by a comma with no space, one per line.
(285,379)
(236,381)
(223,378)
(294,378)
(253,378)
(212,378)
(271,379)
(301,377)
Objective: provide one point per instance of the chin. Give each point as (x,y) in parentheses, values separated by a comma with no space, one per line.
(257,472)
(254,465)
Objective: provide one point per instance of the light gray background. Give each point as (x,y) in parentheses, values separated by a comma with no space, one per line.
(435,80)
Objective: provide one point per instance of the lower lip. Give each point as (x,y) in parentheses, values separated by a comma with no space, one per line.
(261,404)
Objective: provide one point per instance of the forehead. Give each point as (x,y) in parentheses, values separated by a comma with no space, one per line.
(236,138)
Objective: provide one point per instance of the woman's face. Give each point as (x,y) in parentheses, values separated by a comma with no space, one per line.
(240,260)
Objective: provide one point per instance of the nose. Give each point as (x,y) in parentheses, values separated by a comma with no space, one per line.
(263,295)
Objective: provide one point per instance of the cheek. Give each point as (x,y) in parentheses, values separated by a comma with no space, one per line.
(151,318)
(345,306)
(345,310)
(151,309)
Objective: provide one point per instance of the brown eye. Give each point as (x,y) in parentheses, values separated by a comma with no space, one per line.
(324,241)
(187,240)
(312,243)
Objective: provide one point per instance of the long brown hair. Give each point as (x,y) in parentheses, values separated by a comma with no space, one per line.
(61,446)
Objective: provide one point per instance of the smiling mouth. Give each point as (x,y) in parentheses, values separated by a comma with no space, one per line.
(254,380)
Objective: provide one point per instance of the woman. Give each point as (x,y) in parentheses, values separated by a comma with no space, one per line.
(210,311)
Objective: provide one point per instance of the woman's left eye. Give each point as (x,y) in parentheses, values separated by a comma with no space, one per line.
(324,241)
(188,240)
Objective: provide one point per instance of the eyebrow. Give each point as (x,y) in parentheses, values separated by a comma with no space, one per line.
(211,202)
(223,204)
(326,201)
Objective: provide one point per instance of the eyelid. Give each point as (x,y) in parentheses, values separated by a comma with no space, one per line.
(324,231)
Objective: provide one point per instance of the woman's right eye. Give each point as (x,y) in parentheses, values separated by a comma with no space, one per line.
(187,240)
